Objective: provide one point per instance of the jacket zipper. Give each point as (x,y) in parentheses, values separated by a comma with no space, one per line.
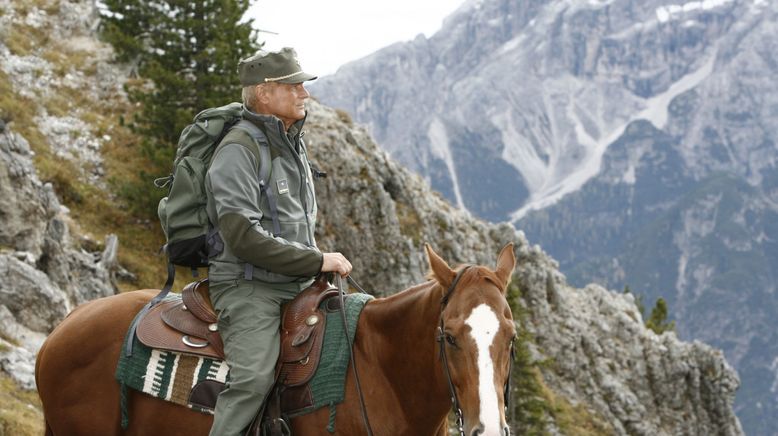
(304,176)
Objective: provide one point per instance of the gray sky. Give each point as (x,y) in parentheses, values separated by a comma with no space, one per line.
(329,33)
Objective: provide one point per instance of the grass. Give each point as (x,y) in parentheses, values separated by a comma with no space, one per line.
(95,213)
(575,419)
(20,410)
(22,39)
(8,339)
(410,223)
(344,116)
(534,404)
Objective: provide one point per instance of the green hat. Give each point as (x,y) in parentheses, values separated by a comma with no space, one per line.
(275,66)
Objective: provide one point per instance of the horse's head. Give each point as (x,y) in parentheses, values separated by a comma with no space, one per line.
(476,338)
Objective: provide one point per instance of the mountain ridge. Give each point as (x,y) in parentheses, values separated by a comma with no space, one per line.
(607,131)
(593,364)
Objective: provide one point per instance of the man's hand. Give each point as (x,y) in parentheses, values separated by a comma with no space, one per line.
(336,262)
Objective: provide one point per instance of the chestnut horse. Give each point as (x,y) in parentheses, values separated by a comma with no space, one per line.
(404,380)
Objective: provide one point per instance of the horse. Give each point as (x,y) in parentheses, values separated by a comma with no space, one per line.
(446,340)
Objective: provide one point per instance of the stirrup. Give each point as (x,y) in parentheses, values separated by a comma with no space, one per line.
(276,427)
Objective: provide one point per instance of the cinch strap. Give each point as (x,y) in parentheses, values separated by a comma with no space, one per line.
(171,275)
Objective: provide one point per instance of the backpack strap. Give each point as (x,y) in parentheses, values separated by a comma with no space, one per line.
(265,161)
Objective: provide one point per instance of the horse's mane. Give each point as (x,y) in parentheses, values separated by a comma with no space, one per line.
(472,276)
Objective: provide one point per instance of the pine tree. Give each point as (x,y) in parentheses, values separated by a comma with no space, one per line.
(657,321)
(186,55)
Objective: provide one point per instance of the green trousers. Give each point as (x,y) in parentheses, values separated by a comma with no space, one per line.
(249,318)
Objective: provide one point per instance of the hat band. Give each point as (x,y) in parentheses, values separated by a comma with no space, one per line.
(274,79)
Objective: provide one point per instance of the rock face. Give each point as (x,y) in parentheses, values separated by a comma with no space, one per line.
(44,274)
(43,271)
(640,383)
(631,139)
(379,215)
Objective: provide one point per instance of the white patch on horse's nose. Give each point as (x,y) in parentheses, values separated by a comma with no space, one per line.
(483,328)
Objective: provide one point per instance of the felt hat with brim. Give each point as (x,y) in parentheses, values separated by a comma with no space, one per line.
(275,66)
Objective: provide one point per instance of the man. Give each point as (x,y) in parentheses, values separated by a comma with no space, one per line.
(260,266)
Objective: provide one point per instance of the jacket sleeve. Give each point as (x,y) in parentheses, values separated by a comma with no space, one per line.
(233,182)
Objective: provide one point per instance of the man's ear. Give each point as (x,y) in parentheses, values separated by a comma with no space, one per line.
(261,93)
(506,262)
(441,272)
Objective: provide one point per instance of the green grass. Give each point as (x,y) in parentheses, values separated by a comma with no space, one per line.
(95,213)
(8,339)
(577,419)
(534,403)
(20,410)
(344,116)
(410,222)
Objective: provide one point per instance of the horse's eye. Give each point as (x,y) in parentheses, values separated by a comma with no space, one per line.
(451,340)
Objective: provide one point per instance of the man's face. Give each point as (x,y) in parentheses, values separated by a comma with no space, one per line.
(287,102)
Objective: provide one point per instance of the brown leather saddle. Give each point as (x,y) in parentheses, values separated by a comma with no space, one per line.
(189,325)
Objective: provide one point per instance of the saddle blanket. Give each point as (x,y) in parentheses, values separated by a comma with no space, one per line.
(195,382)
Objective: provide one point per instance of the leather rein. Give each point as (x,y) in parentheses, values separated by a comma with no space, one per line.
(342,294)
(442,338)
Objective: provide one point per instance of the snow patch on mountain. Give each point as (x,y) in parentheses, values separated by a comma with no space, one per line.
(675,11)
(521,153)
(594,144)
(656,107)
(774,367)
(439,146)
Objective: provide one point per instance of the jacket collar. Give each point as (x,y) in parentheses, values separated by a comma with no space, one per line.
(271,123)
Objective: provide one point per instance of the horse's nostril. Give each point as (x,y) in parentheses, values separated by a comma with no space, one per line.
(477,430)
(506,431)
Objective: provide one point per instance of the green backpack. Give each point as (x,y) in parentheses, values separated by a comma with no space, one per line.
(190,237)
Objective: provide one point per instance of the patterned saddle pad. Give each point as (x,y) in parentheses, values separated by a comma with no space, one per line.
(195,381)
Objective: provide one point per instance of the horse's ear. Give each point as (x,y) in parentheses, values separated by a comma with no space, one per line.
(506,262)
(440,269)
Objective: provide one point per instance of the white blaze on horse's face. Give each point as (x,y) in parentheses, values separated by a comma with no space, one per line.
(484,326)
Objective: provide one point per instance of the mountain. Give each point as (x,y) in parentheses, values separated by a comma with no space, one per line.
(634,140)
(586,363)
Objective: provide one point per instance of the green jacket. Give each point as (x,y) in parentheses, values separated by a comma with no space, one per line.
(242,215)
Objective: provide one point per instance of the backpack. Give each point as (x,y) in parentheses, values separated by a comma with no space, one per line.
(190,237)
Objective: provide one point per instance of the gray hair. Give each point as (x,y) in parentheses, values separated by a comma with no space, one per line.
(249,95)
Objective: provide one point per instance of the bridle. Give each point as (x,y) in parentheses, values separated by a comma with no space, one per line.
(441,338)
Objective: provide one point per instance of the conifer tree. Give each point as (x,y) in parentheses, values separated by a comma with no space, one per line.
(186,55)
(658,321)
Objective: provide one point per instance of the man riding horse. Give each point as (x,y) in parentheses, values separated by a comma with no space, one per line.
(269,253)
(440,344)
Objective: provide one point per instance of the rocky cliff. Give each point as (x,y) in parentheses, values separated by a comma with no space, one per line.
(632,139)
(43,271)
(598,351)
(590,345)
